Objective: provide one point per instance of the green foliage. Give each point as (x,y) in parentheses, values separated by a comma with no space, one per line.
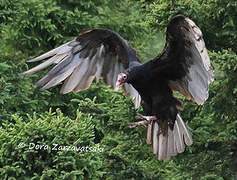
(98,117)
(40,25)
(216,18)
(213,126)
(105,127)
(35,148)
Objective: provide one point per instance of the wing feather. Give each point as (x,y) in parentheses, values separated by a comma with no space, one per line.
(75,78)
(88,76)
(47,63)
(97,53)
(57,79)
(200,72)
(59,50)
(184,61)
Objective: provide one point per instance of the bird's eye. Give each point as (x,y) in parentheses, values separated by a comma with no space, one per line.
(124,76)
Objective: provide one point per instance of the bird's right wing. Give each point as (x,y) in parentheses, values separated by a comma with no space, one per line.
(97,53)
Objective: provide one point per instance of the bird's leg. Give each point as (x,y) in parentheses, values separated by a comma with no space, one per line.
(146,120)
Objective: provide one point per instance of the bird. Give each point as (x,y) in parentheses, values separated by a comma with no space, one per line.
(183,66)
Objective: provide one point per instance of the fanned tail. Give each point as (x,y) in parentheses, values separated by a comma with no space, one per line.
(170,142)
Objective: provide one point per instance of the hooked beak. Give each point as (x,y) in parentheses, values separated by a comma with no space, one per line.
(119,82)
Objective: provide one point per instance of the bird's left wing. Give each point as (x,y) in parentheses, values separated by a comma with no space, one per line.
(184,62)
(97,53)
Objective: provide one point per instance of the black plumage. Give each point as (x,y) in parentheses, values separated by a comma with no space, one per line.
(182,66)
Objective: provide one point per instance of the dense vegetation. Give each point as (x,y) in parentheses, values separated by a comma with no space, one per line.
(95,122)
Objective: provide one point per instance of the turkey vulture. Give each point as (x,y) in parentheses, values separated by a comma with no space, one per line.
(182,66)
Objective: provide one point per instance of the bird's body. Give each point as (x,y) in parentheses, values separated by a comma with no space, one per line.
(182,66)
(157,97)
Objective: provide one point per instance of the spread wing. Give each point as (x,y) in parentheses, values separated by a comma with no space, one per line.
(184,61)
(97,53)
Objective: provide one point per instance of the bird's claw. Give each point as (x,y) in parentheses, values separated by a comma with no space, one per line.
(139,123)
(146,120)
(140,116)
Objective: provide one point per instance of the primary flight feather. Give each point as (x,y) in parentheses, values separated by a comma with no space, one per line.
(183,66)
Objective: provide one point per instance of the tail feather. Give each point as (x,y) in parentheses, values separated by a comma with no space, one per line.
(155,140)
(162,153)
(149,134)
(187,136)
(171,151)
(178,138)
(166,144)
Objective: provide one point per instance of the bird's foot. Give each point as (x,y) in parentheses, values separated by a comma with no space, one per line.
(146,120)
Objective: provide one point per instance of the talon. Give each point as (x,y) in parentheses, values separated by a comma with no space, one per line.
(132,125)
(139,123)
(139,116)
(146,120)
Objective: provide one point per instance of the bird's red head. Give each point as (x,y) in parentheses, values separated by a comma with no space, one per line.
(122,78)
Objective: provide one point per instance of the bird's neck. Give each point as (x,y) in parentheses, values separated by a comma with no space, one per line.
(133,59)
